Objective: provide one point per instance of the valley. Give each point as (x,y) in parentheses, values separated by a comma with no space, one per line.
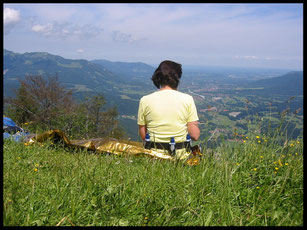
(229,100)
(227,108)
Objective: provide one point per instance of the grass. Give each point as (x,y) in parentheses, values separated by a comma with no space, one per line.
(241,183)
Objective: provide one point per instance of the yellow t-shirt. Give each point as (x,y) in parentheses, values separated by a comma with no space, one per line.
(166,114)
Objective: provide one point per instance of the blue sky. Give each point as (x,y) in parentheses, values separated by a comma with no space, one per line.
(243,35)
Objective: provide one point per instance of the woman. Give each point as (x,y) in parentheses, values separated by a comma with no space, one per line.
(168,113)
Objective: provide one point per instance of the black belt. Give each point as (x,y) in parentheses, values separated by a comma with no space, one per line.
(166,146)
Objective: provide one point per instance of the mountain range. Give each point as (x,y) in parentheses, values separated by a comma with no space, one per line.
(116,80)
(80,75)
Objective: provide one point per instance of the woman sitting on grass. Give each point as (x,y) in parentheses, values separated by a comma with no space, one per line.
(168,113)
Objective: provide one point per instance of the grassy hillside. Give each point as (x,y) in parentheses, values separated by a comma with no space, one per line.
(240,183)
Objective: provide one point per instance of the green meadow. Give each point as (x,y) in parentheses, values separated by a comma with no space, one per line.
(252,181)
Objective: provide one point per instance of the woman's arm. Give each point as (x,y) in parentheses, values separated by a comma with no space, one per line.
(142,131)
(193,130)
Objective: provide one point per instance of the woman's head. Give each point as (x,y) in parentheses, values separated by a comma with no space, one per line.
(167,74)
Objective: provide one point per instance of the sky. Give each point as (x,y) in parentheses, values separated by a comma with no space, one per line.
(238,35)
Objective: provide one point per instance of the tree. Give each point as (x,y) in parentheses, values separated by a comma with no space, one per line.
(100,122)
(48,105)
(39,100)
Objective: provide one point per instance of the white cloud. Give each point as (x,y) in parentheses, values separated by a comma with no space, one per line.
(64,30)
(80,51)
(10,18)
(44,29)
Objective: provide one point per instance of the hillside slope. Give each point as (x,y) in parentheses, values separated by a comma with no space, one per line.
(288,84)
(75,74)
(133,70)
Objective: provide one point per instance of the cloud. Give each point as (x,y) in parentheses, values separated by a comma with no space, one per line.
(251,57)
(118,36)
(64,30)
(87,31)
(44,29)
(10,18)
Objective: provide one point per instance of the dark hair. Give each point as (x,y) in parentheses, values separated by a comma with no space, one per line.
(168,73)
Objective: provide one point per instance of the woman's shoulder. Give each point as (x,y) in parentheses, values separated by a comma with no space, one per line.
(184,95)
(148,96)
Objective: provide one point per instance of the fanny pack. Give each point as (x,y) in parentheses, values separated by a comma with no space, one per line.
(170,147)
(166,146)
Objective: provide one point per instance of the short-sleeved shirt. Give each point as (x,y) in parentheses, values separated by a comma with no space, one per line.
(166,114)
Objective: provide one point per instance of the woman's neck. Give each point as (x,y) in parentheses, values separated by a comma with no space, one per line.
(166,87)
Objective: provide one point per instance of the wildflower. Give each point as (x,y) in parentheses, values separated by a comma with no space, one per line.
(244,141)
(283,155)
(286,164)
(146,218)
(246,137)
(291,145)
(36,165)
(279,162)
(18,158)
(296,154)
(35,170)
(276,168)
(261,157)
(257,137)
(265,140)
(26,144)
(274,162)
(237,164)
(257,187)
(259,142)
(298,142)
(255,169)
(26,123)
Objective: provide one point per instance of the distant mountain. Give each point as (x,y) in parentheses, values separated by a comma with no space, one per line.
(133,70)
(80,74)
(288,84)
(115,80)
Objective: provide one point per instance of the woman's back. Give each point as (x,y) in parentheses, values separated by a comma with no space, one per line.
(166,114)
